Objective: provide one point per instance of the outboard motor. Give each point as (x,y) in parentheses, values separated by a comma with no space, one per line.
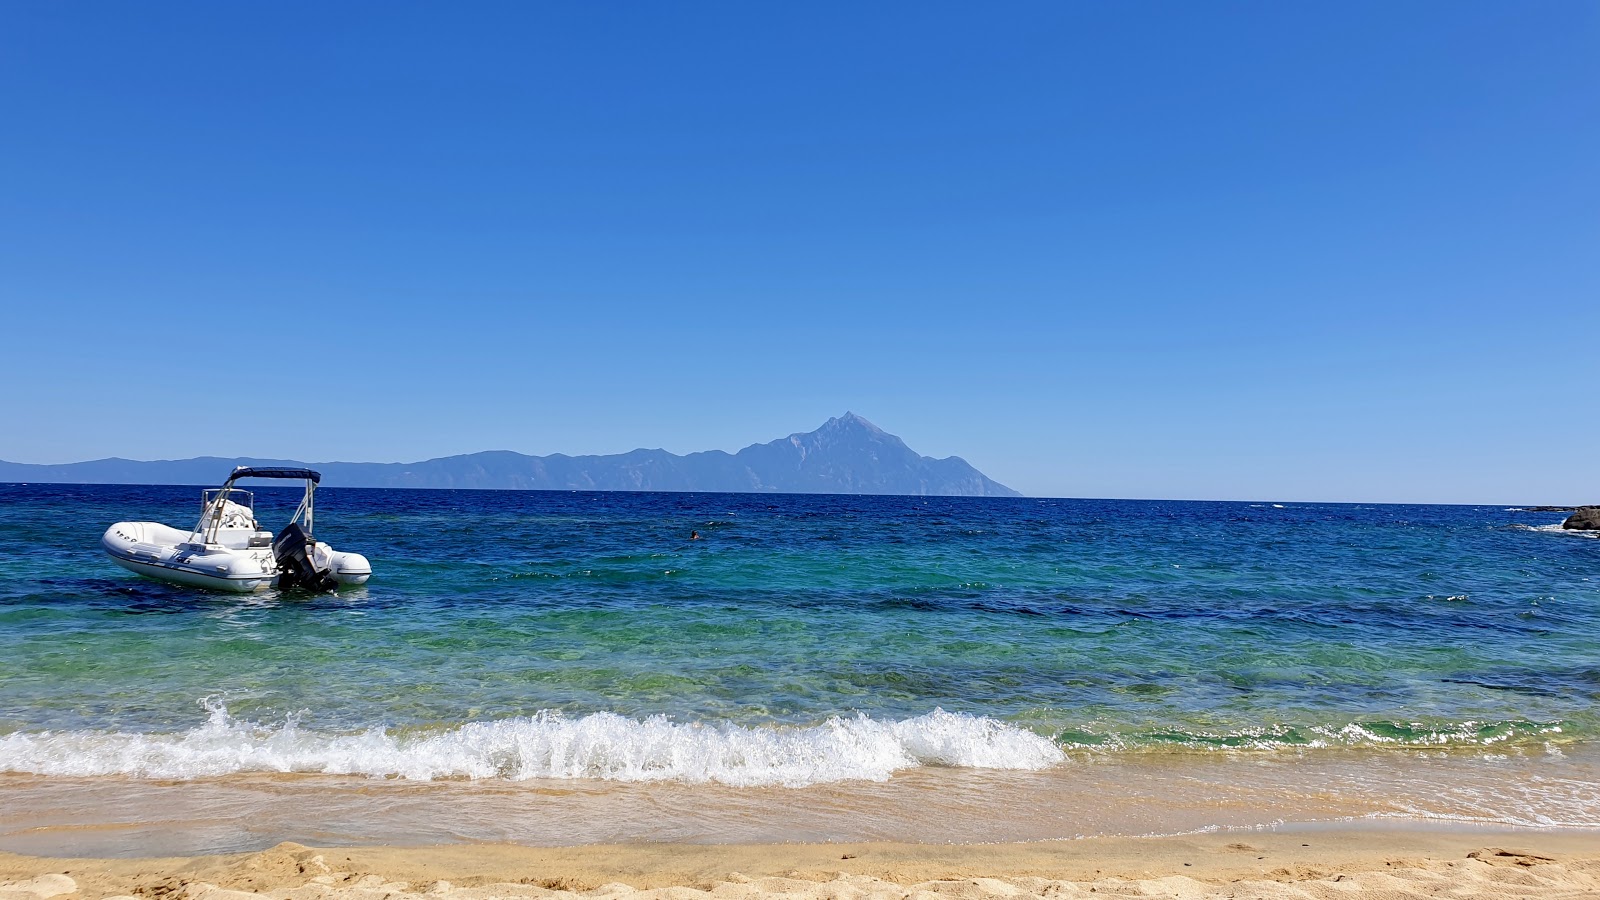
(296,569)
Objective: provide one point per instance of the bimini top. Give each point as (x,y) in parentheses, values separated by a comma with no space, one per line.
(249,472)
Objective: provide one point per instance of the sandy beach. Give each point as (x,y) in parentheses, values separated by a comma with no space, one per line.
(1342,863)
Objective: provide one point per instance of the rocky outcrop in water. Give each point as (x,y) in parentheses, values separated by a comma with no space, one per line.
(1587,518)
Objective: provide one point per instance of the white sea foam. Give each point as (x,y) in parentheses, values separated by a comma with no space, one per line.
(547,745)
(1557,529)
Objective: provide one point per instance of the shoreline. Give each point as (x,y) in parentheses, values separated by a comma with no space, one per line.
(1392,860)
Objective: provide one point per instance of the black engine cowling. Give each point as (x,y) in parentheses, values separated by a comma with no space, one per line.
(292,548)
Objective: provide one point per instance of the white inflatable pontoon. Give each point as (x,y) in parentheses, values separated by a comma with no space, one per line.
(227,551)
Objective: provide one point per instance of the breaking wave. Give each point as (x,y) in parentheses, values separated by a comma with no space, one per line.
(612,747)
(1556,529)
(548,745)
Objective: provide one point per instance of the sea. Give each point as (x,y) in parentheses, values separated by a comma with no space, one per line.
(558,668)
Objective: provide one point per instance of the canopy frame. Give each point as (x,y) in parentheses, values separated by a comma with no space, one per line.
(211,514)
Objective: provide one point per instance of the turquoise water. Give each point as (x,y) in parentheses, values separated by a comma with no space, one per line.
(799,640)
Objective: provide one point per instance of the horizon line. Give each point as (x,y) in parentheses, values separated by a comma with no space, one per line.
(1279,502)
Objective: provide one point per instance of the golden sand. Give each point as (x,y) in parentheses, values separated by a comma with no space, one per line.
(1384,863)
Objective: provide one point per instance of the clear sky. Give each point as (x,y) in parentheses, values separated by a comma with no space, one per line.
(1342,251)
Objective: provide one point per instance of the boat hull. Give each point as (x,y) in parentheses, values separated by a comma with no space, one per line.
(189,577)
(165,554)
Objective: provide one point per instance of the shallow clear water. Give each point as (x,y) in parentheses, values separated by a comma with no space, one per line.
(801,640)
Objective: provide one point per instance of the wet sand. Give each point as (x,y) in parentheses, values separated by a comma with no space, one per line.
(1096,796)
(1342,863)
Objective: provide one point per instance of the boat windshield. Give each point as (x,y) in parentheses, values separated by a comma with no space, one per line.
(236,508)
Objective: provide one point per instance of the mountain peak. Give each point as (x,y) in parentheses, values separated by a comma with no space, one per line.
(851,420)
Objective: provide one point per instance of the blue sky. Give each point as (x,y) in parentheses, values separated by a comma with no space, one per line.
(1250,251)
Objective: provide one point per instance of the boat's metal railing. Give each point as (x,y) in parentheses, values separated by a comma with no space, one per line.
(307,508)
(214,508)
(205,530)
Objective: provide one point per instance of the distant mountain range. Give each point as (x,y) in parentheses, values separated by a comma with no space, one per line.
(847,455)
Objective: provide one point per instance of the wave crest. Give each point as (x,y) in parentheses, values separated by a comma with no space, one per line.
(547,745)
(1556,528)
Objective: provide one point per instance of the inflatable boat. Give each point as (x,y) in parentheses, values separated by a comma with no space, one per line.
(227,551)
